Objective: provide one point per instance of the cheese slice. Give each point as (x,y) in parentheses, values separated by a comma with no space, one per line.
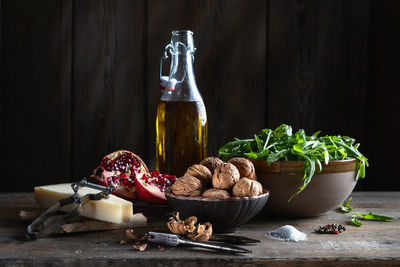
(113,209)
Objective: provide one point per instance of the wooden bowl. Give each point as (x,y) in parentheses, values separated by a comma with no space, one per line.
(225,215)
(327,189)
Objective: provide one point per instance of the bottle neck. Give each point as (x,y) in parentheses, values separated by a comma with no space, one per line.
(182,67)
(182,55)
(181,84)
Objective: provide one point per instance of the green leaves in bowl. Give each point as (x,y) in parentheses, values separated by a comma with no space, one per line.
(281,144)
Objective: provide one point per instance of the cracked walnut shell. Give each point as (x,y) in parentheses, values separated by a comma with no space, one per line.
(245,167)
(225,176)
(247,188)
(216,193)
(201,172)
(188,186)
(203,232)
(211,163)
(182,227)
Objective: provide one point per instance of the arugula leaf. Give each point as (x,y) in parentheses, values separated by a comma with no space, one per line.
(283,131)
(355,221)
(376,217)
(281,144)
(371,217)
(316,134)
(345,207)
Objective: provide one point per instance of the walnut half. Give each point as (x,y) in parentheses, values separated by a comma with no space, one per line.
(182,227)
(203,232)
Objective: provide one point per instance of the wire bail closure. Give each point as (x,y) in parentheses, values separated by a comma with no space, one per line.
(173,50)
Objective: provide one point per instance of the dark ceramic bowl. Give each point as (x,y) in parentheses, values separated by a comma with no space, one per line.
(327,189)
(226,216)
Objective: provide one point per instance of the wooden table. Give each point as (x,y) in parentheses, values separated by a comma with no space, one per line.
(374,243)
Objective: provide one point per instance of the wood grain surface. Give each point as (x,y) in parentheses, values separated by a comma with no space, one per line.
(36,92)
(310,64)
(80,78)
(375,243)
(229,37)
(108,93)
(382,102)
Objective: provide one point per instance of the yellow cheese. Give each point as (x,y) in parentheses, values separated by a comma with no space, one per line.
(113,209)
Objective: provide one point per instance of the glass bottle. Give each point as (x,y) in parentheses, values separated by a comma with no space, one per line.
(181,123)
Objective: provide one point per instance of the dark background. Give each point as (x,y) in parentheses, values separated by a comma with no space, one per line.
(80,78)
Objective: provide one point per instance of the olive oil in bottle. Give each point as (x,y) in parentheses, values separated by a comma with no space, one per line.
(181,123)
(181,129)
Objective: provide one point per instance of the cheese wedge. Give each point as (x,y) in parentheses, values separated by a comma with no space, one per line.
(113,209)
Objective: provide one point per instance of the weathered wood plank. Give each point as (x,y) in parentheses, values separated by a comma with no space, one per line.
(318,69)
(36,60)
(358,64)
(2,102)
(229,62)
(232,66)
(382,110)
(319,56)
(108,110)
(375,243)
(357,81)
(2,91)
(308,53)
(161,20)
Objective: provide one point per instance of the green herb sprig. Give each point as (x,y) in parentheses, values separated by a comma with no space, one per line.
(345,207)
(281,144)
(355,221)
(371,217)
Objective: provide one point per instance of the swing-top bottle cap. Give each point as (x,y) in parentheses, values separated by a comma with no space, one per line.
(166,83)
(163,82)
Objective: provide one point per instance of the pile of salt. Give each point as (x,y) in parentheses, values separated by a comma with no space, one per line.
(287,233)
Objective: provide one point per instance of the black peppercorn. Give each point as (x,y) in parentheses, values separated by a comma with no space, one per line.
(332,228)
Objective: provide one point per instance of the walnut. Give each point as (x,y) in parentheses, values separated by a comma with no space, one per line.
(245,167)
(216,193)
(201,172)
(247,188)
(188,186)
(190,224)
(225,176)
(203,232)
(182,227)
(176,227)
(134,236)
(211,163)
(140,246)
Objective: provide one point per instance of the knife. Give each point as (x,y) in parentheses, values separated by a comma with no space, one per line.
(233,239)
(175,240)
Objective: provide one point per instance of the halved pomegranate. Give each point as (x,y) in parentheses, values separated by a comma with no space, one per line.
(151,186)
(120,169)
